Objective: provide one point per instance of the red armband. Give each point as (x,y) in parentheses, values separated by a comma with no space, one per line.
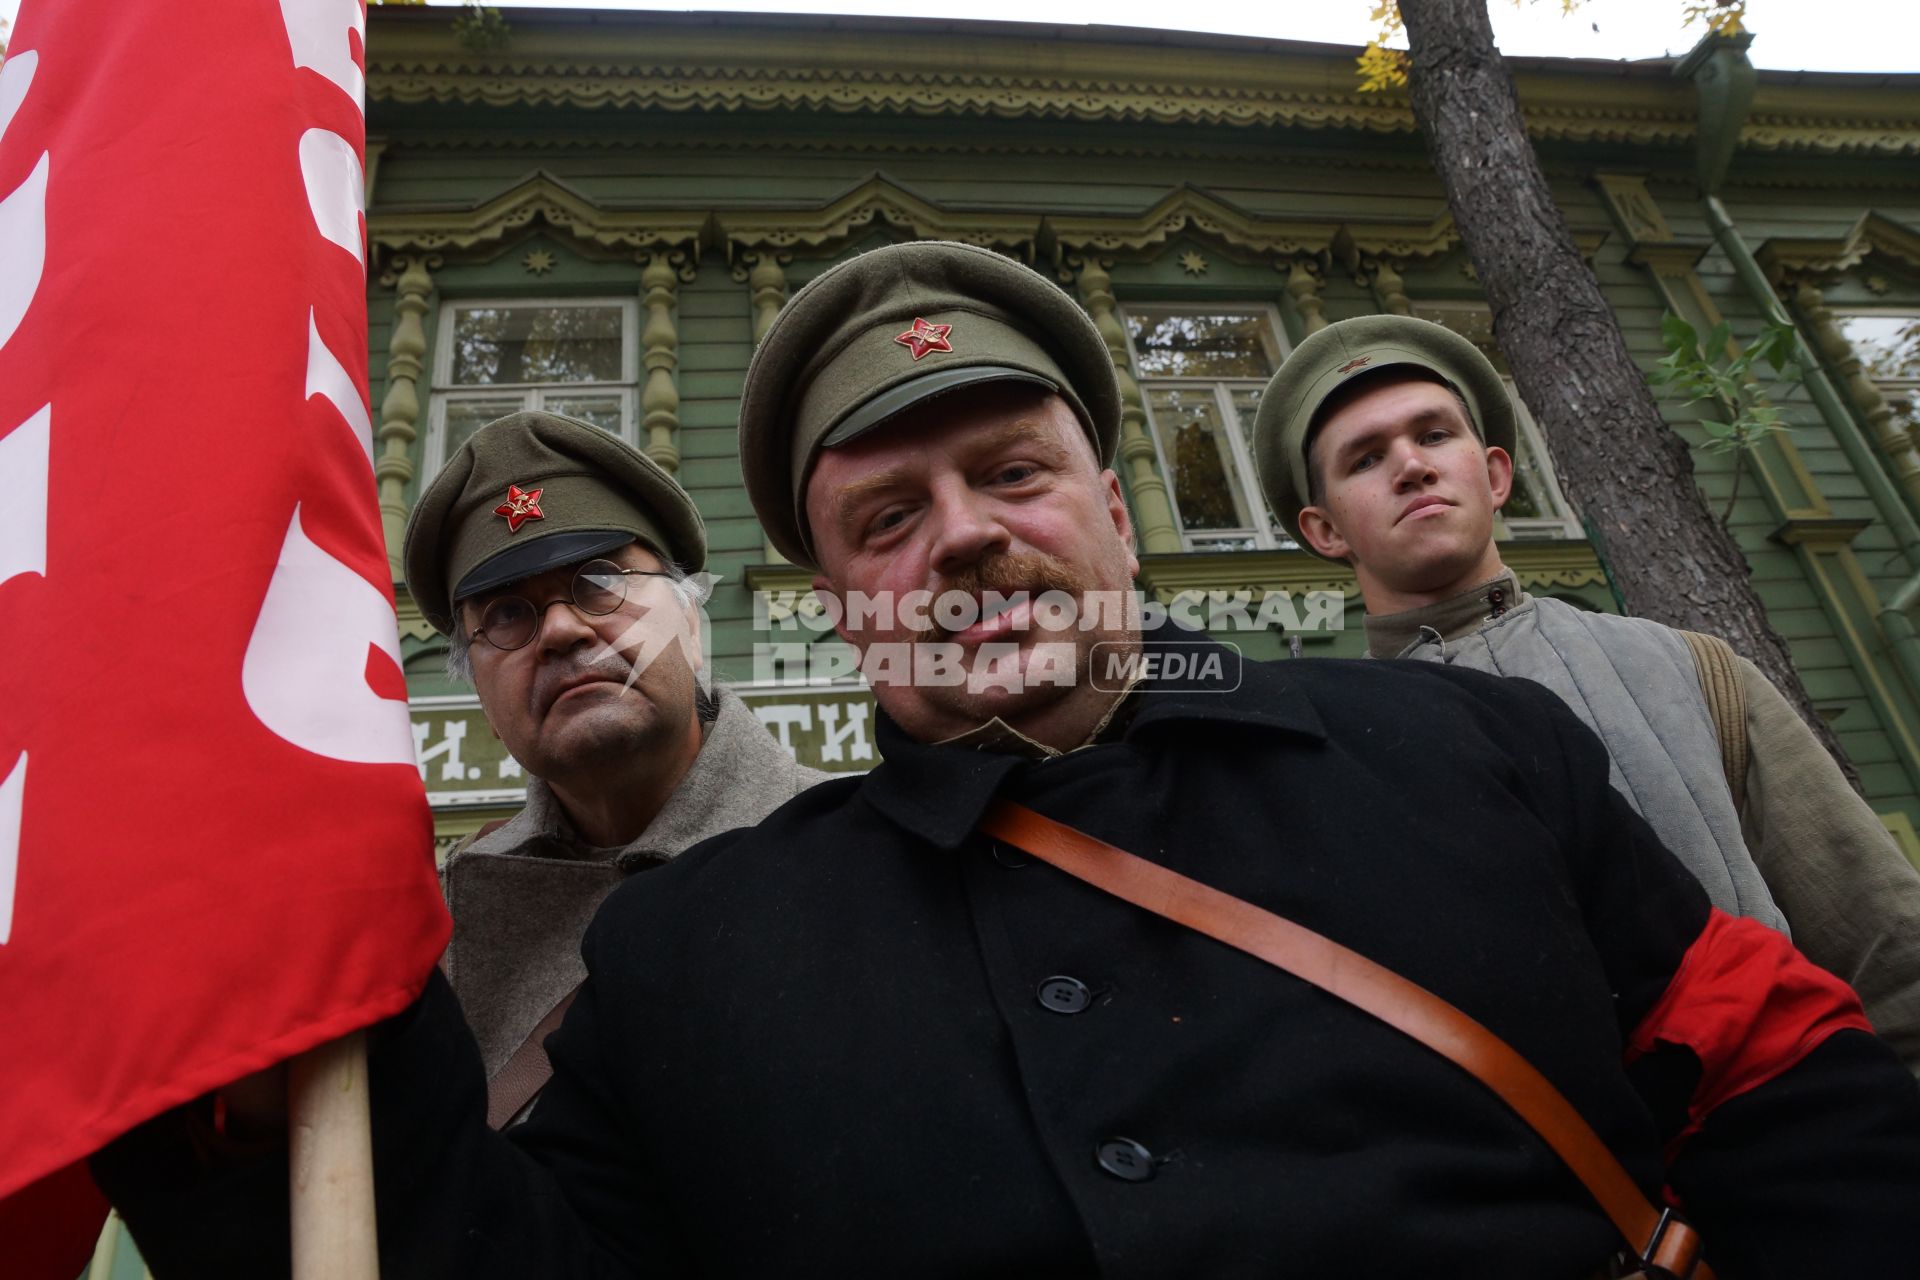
(1749,1006)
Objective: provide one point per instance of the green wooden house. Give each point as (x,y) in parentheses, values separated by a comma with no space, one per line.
(600,216)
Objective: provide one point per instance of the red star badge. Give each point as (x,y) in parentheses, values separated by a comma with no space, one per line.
(520,507)
(924,337)
(1351,365)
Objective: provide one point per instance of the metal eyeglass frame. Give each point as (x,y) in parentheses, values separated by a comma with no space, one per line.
(571,598)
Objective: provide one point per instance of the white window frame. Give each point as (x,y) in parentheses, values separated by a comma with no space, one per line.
(1267,534)
(1562,523)
(532,395)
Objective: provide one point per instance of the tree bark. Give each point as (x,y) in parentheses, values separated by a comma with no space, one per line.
(1628,471)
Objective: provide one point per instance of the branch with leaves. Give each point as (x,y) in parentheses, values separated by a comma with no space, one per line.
(1383,66)
(1742,412)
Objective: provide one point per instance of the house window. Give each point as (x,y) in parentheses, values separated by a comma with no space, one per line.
(1536,508)
(1888,345)
(570,356)
(1202,371)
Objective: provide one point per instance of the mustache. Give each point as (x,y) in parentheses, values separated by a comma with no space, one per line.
(1032,573)
(556,678)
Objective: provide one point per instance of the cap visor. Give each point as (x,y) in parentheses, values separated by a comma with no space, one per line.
(897,400)
(539,556)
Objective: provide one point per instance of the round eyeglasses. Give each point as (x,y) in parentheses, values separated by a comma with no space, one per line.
(598,588)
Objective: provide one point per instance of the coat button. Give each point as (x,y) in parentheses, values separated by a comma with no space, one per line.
(1062,994)
(1008,856)
(1125,1159)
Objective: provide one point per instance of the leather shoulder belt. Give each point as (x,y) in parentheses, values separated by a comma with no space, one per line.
(1662,1243)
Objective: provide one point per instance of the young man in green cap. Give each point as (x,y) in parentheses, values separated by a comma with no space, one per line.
(630,757)
(1386,442)
(868,1038)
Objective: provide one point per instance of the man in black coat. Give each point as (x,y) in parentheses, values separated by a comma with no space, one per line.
(864,1038)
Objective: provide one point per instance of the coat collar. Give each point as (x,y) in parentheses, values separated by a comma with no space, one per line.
(940,792)
(1391,635)
(740,775)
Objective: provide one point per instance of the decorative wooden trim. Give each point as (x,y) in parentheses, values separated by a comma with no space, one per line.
(1151,506)
(1887,432)
(1785,258)
(1828,534)
(878,200)
(539,199)
(678,64)
(410,278)
(660,356)
(1633,207)
(1540,566)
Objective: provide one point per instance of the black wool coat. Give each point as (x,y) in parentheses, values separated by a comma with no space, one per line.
(862,1039)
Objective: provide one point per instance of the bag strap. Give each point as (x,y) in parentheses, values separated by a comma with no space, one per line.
(1661,1240)
(527,1071)
(1726,695)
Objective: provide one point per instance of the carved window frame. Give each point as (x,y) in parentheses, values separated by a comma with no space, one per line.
(531,395)
(1268,534)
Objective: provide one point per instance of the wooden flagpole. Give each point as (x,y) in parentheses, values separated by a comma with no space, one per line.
(331,1163)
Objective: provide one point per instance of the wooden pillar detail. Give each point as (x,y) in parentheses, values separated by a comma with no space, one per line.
(766,278)
(660,347)
(1886,430)
(1303,286)
(1390,288)
(767,285)
(1151,507)
(400,409)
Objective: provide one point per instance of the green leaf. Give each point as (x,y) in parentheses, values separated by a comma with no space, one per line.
(1716,343)
(1677,334)
(1718,430)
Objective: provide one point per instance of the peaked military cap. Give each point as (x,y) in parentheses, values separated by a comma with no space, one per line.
(530,492)
(1343,353)
(876,335)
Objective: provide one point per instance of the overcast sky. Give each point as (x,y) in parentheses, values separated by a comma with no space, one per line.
(1820,35)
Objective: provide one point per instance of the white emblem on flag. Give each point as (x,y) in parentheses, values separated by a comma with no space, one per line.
(305,673)
(23,247)
(326,376)
(23,549)
(318,33)
(16,73)
(335,189)
(13,794)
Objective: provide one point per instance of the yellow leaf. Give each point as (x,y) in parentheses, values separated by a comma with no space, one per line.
(1382,68)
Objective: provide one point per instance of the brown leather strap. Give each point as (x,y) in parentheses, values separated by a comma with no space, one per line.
(1661,1240)
(527,1071)
(1726,697)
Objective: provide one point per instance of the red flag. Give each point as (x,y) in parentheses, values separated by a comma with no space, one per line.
(214,845)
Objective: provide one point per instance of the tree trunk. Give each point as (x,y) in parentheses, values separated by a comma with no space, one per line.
(1630,473)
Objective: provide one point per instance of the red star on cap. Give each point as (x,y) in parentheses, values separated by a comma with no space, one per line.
(1351,365)
(924,337)
(520,507)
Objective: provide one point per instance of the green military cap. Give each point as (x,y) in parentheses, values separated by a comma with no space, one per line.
(874,336)
(1354,349)
(533,491)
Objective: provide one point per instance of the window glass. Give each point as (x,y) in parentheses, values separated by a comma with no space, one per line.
(1201,373)
(1889,351)
(1207,483)
(510,344)
(1192,344)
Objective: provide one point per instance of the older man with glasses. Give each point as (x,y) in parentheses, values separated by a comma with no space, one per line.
(631,756)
